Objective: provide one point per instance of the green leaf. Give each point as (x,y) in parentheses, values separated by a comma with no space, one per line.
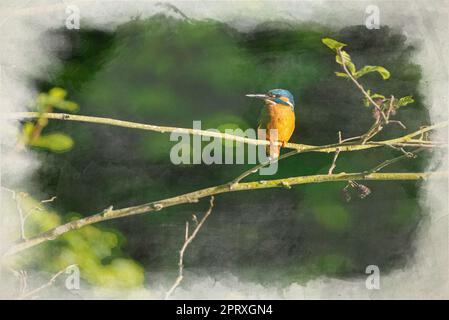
(347,60)
(367,69)
(57,93)
(341,74)
(56,142)
(405,101)
(333,44)
(377,96)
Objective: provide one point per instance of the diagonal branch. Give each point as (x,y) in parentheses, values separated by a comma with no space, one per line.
(207,192)
(358,85)
(394,160)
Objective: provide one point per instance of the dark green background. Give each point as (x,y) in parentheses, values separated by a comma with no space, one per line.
(169,72)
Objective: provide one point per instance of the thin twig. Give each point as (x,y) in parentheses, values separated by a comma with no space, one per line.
(375,129)
(413,144)
(22,276)
(172,7)
(342,146)
(398,122)
(377,126)
(334,160)
(52,280)
(187,240)
(256,168)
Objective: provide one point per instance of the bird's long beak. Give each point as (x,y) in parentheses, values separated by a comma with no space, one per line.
(259,96)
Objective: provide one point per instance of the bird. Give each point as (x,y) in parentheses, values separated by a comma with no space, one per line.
(278,113)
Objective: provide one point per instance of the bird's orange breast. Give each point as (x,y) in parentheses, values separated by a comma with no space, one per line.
(282,118)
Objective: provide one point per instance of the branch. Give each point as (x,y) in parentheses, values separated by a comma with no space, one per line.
(187,241)
(207,192)
(23,216)
(234,185)
(22,276)
(344,146)
(334,160)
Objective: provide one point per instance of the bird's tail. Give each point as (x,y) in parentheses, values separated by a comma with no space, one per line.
(273,150)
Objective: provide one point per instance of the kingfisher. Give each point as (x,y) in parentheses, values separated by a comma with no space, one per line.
(278,113)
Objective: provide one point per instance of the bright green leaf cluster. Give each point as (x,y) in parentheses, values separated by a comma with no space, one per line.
(96,252)
(367,69)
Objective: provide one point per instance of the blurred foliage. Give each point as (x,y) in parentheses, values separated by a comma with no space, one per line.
(95,251)
(170,72)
